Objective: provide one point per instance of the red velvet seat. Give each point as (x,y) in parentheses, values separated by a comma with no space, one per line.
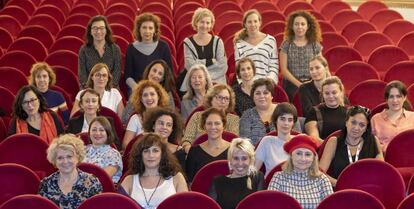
(297,5)
(347,72)
(109,201)
(53,11)
(29,201)
(397,29)
(20,60)
(343,17)
(407,203)
(386,56)
(366,43)
(368,8)
(71,43)
(38,32)
(64,58)
(332,39)
(5,38)
(46,21)
(67,80)
(17,12)
(30,45)
(14,85)
(402,71)
(204,177)
(267,199)
(85,9)
(407,44)
(384,16)
(350,198)
(106,181)
(188,200)
(11,24)
(228,136)
(339,55)
(7,99)
(356,28)
(77,19)
(369,93)
(329,9)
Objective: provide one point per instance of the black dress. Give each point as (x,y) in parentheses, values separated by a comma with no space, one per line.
(243,100)
(333,119)
(309,96)
(228,192)
(197,158)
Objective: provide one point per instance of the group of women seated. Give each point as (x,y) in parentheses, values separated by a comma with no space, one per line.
(166,146)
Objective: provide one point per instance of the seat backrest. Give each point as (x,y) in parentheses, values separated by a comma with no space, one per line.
(11,24)
(280,95)
(399,153)
(5,38)
(38,32)
(332,39)
(67,80)
(326,27)
(71,43)
(297,5)
(355,28)
(406,43)
(266,199)
(369,93)
(64,58)
(53,11)
(343,17)
(410,93)
(85,9)
(189,200)
(272,172)
(204,177)
(350,198)
(17,12)
(386,56)
(397,29)
(382,17)
(347,72)
(402,71)
(407,203)
(14,85)
(375,177)
(29,201)
(369,41)
(329,9)
(340,55)
(20,60)
(30,45)
(368,8)
(109,201)
(106,181)
(7,99)
(274,27)
(76,19)
(47,21)
(16,180)
(121,7)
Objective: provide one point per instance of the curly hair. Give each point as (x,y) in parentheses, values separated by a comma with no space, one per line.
(168,163)
(110,132)
(67,142)
(168,81)
(152,115)
(18,110)
(88,33)
(242,34)
(136,96)
(97,67)
(313,34)
(209,112)
(212,92)
(147,17)
(39,67)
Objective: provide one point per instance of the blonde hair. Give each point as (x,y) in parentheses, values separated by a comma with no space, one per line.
(242,34)
(212,92)
(67,142)
(187,80)
(314,171)
(201,13)
(324,63)
(334,80)
(37,68)
(245,145)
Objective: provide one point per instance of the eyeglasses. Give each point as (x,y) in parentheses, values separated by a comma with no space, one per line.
(95,29)
(31,101)
(98,75)
(221,98)
(360,108)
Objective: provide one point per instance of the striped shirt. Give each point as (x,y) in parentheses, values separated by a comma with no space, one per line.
(264,56)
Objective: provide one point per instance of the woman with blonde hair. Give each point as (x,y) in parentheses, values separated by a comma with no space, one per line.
(68,187)
(258,46)
(43,77)
(147,94)
(301,177)
(100,79)
(329,116)
(205,48)
(301,42)
(243,179)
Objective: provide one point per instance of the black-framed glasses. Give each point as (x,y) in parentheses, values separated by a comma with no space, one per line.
(31,101)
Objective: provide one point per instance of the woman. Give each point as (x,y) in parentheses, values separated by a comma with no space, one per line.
(329,116)
(99,48)
(30,115)
(355,142)
(301,177)
(204,48)
(42,76)
(89,105)
(301,43)
(196,83)
(168,124)
(245,70)
(147,94)
(243,179)
(68,187)
(270,149)
(158,71)
(100,79)
(255,122)
(100,151)
(213,122)
(147,48)
(154,173)
(396,118)
(221,96)
(310,91)
(258,46)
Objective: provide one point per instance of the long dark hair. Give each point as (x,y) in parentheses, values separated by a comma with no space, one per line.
(88,33)
(18,110)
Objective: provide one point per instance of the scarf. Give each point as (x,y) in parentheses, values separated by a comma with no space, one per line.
(47,127)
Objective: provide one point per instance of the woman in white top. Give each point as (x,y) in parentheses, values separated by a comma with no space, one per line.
(270,149)
(258,46)
(147,94)
(100,79)
(155,173)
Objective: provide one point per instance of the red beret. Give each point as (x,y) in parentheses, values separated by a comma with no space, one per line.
(300,141)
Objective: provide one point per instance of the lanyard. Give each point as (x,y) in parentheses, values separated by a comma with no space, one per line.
(356,154)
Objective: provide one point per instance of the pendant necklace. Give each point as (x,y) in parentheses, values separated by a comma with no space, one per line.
(147,202)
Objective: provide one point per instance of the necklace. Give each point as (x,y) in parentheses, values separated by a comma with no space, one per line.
(147,202)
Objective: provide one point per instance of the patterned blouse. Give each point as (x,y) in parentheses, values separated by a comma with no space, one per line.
(308,192)
(85,187)
(105,156)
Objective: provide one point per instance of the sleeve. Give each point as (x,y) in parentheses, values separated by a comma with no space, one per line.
(311,116)
(260,151)
(126,114)
(191,164)
(184,109)
(118,96)
(95,187)
(129,63)
(71,126)
(57,122)
(82,71)
(77,97)
(325,186)
(134,125)
(275,182)
(305,101)
(114,159)
(374,126)
(245,124)
(274,62)
(166,55)
(43,188)
(190,56)
(219,68)
(212,192)
(284,47)
(236,52)
(260,181)
(116,69)
(191,129)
